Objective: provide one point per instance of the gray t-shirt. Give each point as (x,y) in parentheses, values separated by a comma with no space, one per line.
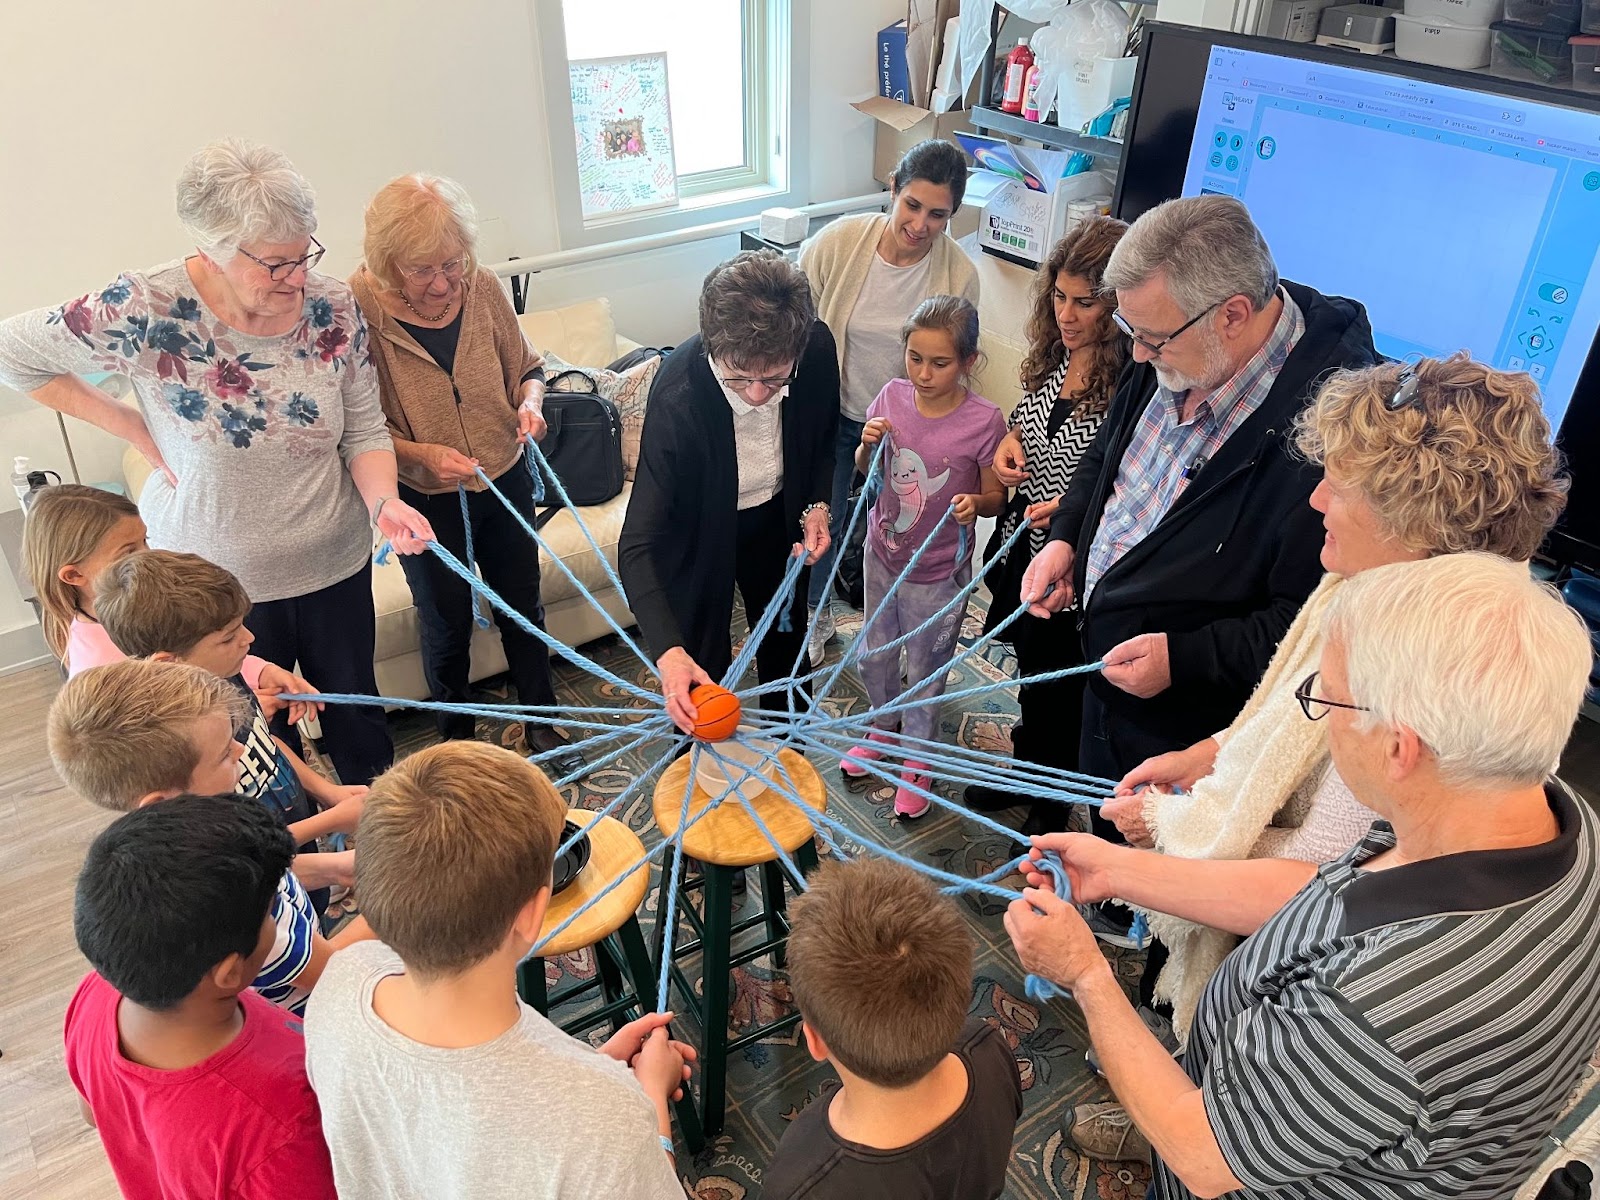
(260,431)
(873,351)
(532,1114)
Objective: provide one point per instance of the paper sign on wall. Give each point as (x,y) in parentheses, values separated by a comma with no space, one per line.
(623,122)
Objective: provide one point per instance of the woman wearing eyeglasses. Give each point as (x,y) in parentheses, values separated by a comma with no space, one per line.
(461,387)
(257,408)
(735,466)
(1439,457)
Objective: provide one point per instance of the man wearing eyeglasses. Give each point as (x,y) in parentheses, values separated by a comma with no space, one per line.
(735,471)
(1187,538)
(1407,1020)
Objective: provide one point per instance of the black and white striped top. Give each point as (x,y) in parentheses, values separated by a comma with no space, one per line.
(1051,461)
(1410,1032)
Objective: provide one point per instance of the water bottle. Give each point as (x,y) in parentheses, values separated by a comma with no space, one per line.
(19,478)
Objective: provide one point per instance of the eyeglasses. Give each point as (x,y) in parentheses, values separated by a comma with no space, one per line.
(451,270)
(1407,389)
(1322,707)
(774,383)
(282,270)
(1156,347)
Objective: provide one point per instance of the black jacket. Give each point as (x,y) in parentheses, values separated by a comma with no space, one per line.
(676,552)
(1227,568)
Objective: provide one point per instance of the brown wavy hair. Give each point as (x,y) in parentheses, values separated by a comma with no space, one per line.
(1468,465)
(1084,252)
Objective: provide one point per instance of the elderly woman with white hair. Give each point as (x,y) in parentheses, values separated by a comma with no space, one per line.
(257,405)
(461,387)
(1408,1019)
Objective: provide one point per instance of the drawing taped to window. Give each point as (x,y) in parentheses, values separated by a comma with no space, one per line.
(622,119)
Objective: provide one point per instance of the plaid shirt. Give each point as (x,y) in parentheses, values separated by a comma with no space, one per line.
(1165,452)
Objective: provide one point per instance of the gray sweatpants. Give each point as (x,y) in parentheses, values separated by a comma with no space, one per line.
(925,654)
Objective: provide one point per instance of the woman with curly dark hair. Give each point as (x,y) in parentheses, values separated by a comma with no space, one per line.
(1075,354)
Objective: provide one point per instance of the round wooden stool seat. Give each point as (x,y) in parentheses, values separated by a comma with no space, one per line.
(728,837)
(613,848)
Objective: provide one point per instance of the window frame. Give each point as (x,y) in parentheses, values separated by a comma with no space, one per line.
(776,142)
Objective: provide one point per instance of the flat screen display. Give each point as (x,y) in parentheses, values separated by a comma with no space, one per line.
(1462,210)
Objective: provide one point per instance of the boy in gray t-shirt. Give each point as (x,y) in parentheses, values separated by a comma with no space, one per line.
(433,1078)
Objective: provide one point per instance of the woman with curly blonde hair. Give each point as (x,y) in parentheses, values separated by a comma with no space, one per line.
(1436,457)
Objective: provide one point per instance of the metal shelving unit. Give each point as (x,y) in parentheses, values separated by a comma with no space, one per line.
(992,120)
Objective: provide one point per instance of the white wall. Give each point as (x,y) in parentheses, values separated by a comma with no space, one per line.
(98,113)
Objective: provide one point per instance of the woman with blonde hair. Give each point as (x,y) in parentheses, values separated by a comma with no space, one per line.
(1440,456)
(1075,355)
(256,406)
(461,387)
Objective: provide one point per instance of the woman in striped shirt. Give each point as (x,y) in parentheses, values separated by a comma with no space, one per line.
(1075,354)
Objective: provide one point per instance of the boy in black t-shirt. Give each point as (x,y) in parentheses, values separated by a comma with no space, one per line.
(881,966)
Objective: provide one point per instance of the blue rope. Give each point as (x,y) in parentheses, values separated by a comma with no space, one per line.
(779,604)
(532,630)
(962,547)
(479,617)
(533,469)
(678,867)
(537,455)
(561,565)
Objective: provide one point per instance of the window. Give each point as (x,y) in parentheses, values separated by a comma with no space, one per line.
(728,67)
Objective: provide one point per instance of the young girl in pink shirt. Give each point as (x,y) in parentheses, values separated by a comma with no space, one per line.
(71,535)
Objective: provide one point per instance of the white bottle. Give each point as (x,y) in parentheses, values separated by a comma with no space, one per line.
(19,477)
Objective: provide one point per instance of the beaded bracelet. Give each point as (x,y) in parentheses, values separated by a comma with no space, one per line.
(811,508)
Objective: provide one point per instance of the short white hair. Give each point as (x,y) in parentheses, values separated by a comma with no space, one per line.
(233,191)
(1486,665)
(1205,248)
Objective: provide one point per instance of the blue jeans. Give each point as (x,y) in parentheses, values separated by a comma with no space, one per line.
(844,474)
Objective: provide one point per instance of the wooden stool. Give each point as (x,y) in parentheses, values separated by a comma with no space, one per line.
(726,841)
(623,969)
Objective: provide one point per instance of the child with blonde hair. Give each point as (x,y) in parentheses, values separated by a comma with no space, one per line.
(73,533)
(942,437)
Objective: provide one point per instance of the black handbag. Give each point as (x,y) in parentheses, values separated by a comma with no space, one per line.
(583,444)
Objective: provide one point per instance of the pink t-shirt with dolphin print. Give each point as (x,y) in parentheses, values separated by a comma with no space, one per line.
(928,462)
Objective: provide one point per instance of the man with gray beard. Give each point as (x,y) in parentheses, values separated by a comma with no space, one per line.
(1186,544)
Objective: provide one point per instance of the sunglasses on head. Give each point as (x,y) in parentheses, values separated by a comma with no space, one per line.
(1407,386)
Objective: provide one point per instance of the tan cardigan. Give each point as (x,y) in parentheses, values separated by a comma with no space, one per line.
(474,410)
(836,262)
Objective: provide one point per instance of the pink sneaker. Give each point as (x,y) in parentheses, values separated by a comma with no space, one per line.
(865,752)
(908,804)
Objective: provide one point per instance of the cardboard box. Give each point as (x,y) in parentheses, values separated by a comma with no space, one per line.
(902,126)
(927,23)
(894,75)
(1022,224)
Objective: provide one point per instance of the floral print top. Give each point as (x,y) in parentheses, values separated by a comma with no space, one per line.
(260,431)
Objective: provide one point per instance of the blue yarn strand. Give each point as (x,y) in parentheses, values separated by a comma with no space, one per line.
(479,617)
(561,565)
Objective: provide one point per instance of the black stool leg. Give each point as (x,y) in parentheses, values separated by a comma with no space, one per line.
(645,982)
(611,984)
(530,985)
(658,936)
(714,1001)
(773,881)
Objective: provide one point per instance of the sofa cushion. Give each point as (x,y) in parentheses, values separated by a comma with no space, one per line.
(583,334)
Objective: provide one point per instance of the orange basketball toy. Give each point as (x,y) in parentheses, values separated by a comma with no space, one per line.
(719,712)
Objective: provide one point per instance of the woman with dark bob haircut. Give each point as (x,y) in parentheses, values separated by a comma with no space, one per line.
(735,465)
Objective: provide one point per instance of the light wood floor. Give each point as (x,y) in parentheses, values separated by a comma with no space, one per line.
(45,1148)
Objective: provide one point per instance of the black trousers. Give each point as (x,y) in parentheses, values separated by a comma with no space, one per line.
(1112,746)
(330,634)
(762,554)
(1050,715)
(509,563)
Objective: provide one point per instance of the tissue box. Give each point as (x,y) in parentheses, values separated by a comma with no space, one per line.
(894,75)
(784,226)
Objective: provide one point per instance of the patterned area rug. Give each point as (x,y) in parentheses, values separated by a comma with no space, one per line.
(772,1080)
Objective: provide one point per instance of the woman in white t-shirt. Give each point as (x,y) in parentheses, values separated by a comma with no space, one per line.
(868,273)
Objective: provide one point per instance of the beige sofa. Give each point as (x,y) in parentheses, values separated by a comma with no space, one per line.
(584,335)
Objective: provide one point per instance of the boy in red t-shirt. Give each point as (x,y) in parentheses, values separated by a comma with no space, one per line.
(196,1084)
